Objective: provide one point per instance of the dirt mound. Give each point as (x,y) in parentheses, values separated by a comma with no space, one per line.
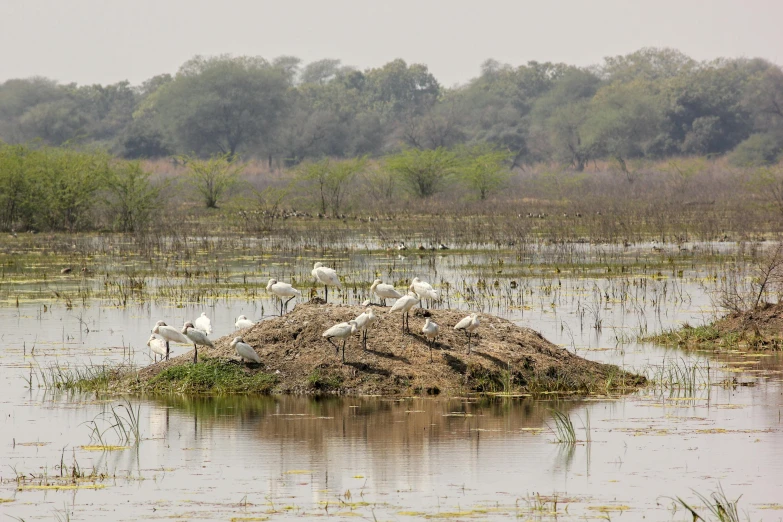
(505,357)
(762,326)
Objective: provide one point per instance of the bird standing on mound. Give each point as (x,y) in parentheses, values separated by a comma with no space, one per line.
(404,304)
(327,277)
(197,337)
(158,347)
(422,289)
(430,331)
(340,331)
(169,334)
(243,322)
(364,322)
(203,323)
(384,291)
(282,290)
(244,350)
(468,325)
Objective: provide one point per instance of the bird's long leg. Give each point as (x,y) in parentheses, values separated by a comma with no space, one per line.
(384,302)
(364,340)
(195,353)
(167,350)
(336,348)
(469,335)
(326,294)
(344,351)
(286,303)
(430,350)
(403,322)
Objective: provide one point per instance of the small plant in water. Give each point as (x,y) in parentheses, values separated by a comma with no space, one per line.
(564,428)
(718,507)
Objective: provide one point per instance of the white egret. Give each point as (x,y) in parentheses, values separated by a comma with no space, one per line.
(340,331)
(243,322)
(423,289)
(430,331)
(169,334)
(197,337)
(364,322)
(203,323)
(244,350)
(384,291)
(282,290)
(327,277)
(404,304)
(158,346)
(468,325)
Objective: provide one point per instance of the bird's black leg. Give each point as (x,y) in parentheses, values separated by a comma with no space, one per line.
(403,322)
(326,294)
(167,350)
(430,350)
(343,351)
(336,348)
(286,304)
(364,340)
(195,353)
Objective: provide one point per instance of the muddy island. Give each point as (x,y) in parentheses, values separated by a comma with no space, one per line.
(296,359)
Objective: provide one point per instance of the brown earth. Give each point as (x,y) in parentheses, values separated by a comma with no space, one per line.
(762,327)
(505,357)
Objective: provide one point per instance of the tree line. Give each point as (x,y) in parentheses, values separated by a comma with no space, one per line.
(650,104)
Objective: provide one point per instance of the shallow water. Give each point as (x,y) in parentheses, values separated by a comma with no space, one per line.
(403,459)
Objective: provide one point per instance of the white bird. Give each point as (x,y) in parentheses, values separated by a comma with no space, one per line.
(430,331)
(404,304)
(243,322)
(467,325)
(402,246)
(169,334)
(203,323)
(364,321)
(423,289)
(327,277)
(282,290)
(158,346)
(197,337)
(340,331)
(384,291)
(244,350)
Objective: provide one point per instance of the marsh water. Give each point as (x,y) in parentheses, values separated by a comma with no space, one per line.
(472,457)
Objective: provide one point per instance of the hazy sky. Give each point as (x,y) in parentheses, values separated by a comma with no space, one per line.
(105,41)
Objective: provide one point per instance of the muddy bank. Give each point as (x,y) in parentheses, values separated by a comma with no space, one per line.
(505,357)
(757,329)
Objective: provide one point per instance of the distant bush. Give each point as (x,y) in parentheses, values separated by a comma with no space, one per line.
(757,151)
(61,189)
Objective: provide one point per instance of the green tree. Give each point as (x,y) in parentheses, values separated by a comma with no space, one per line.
(66,186)
(220,104)
(132,197)
(484,168)
(423,172)
(214,177)
(331,180)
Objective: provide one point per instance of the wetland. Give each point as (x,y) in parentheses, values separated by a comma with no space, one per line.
(707,418)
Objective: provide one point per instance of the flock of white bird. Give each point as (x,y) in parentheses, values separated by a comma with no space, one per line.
(197,332)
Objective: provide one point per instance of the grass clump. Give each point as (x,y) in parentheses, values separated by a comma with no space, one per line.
(718,507)
(215,376)
(686,335)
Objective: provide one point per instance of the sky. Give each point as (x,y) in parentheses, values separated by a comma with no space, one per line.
(106,41)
